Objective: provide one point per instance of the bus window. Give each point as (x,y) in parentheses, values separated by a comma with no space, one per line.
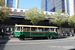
(33,28)
(51,29)
(26,29)
(46,29)
(18,29)
(40,29)
(37,30)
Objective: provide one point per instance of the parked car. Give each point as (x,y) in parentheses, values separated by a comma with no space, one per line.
(70,34)
(65,34)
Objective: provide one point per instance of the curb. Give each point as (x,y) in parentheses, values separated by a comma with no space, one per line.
(9,40)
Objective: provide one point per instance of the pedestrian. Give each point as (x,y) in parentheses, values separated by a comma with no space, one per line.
(2,33)
(64,33)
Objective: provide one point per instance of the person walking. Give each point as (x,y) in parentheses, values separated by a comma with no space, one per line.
(64,33)
(2,33)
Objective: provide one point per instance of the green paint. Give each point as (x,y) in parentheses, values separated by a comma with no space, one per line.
(35,34)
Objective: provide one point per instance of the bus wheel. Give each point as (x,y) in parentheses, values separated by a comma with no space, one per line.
(22,37)
(50,37)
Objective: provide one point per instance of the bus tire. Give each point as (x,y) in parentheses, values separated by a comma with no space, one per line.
(50,36)
(22,37)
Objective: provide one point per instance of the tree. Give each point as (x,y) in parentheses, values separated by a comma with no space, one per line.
(2,3)
(4,11)
(71,21)
(35,15)
(59,18)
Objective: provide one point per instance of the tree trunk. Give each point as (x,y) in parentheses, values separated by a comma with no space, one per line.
(60,29)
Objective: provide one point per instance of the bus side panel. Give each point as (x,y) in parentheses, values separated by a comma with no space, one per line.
(51,33)
(41,34)
(26,34)
(33,34)
(17,33)
(38,34)
(56,34)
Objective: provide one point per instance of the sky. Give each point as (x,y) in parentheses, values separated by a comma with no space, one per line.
(26,4)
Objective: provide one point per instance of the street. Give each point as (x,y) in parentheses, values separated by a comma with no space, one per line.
(38,44)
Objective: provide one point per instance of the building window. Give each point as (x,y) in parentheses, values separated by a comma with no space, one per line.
(21,10)
(46,13)
(51,14)
(15,10)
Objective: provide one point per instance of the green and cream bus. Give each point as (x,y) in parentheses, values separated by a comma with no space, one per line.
(23,31)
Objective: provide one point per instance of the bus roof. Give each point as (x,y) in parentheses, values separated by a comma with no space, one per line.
(35,26)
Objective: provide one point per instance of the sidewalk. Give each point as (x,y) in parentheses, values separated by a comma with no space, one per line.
(6,37)
(71,37)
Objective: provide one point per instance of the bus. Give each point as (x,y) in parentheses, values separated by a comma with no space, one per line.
(25,31)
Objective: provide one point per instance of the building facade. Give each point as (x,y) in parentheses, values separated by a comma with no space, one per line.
(44,4)
(10,3)
(67,6)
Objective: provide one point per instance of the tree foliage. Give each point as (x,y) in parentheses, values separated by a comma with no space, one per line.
(58,18)
(2,3)
(4,11)
(35,15)
(71,21)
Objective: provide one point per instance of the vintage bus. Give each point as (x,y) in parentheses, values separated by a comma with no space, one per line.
(23,31)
